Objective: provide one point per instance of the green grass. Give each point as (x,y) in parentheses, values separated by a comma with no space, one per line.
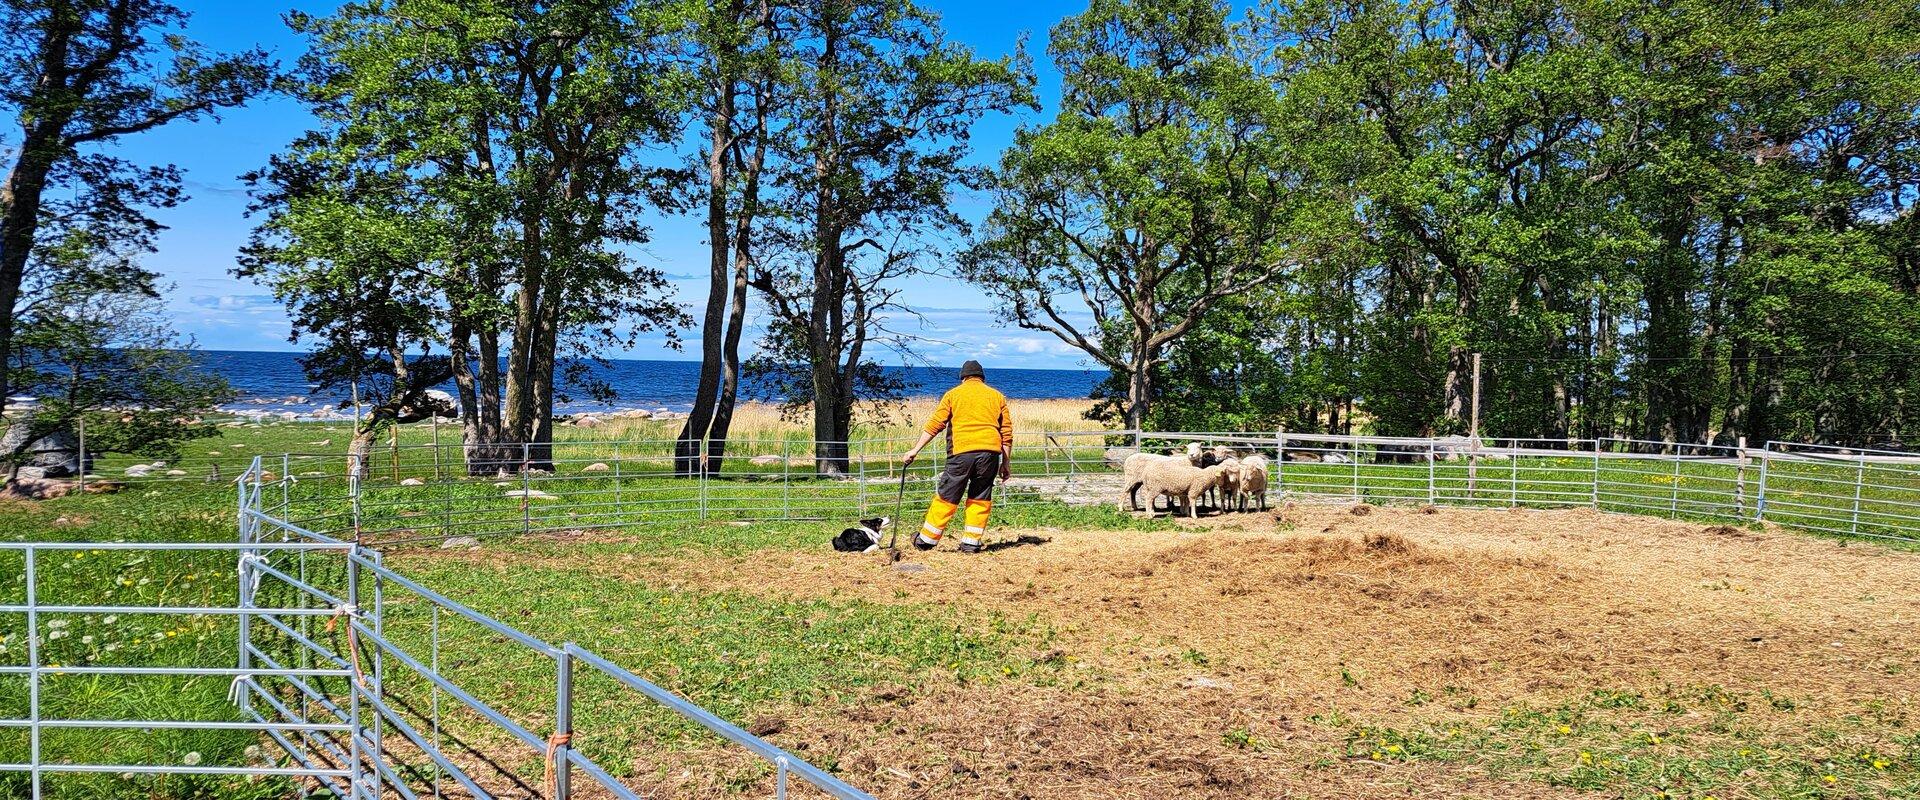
(105,577)
(737,655)
(742,656)
(1676,742)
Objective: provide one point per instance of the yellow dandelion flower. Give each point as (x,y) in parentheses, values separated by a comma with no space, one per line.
(1829,779)
(1564,729)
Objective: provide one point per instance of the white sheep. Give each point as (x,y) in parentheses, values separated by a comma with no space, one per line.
(1181,482)
(1134,468)
(1229,486)
(1253,481)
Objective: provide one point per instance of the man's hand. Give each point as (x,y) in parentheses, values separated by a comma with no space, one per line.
(907,460)
(1006,468)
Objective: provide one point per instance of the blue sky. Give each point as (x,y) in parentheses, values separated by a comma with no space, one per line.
(224,313)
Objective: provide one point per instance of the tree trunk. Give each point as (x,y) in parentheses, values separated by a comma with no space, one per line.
(360,449)
(737,311)
(21,202)
(687,448)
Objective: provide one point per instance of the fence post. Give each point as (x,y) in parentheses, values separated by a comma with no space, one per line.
(703,480)
(1740,479)
(1513,473)
(82,424)
(526,487)
(243,598)
(1596,473)
(1859,479)
(1673,498)
(619,506)
(1354,453)
(786,478)
(353,491)
(1760,492)
(354,737)
(33,667)
(1280,463)
(562,740)
(1433,493)
(860,478)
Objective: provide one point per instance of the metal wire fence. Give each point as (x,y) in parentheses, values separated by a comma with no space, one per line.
(354,671)
(416,493)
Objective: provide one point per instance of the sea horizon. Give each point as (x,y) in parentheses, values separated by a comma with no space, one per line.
(272,383)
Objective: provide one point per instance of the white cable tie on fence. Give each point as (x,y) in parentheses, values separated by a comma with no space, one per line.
(237,686)
(241,568)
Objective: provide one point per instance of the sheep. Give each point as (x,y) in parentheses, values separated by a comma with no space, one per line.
(1182,482)
(1134,468)
(1253,481)
(1229,485)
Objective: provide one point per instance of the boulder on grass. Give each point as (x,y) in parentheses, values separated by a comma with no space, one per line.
(413,482)
(56,455)
(596,467)
(530,494)
(764,461)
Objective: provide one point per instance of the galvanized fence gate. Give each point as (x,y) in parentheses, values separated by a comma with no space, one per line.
(357,709)
(344,663)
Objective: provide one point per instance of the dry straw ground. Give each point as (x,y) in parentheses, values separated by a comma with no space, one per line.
(1219,661)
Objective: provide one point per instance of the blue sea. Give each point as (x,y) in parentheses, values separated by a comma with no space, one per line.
(274,382)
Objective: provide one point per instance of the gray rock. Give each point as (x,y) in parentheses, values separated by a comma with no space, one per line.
(459,542)
(138,471)
(764,461)
(413,482)
(595,467)
(530,494)
(57,454)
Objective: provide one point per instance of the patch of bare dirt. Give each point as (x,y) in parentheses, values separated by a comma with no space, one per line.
(1240,621)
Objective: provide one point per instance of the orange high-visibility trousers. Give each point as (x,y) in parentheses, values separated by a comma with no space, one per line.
(968,478)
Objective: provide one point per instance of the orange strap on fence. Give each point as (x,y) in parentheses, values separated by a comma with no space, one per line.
(554,743)
(353,642)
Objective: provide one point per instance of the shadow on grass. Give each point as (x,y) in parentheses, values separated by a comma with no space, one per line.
(1024,541)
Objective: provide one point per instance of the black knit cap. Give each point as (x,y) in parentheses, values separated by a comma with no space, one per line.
(972,369)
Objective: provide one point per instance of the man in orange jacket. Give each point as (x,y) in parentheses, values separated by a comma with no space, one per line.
(979,446)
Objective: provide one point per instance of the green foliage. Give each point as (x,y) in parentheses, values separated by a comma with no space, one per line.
(79,76)
(1686,221)
(868,148)
(1155,195)
(111,361)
